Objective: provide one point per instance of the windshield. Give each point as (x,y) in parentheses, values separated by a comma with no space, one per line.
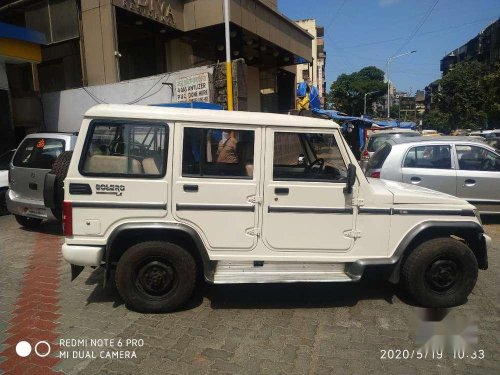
(5,160)
(38,152)
(377,141)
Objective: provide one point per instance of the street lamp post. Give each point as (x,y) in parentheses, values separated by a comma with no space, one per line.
(364,107)
(389,60)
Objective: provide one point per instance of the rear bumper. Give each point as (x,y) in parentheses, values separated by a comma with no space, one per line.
(27,207)
(83,255)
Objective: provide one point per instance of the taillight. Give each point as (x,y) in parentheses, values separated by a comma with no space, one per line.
(375,174)
(365,155)
(67,219)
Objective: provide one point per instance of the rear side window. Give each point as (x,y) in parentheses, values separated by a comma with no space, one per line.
(431,157)
(38,153)
(125,149)
(378,158)
(218,153)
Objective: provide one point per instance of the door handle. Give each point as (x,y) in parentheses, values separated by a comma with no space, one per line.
(415,180)
(281,191)
(33,186)
(469,182)
(190,188)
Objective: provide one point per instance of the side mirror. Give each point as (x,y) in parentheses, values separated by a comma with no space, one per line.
(351,178)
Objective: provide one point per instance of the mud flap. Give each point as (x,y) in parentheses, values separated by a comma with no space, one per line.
(75,271)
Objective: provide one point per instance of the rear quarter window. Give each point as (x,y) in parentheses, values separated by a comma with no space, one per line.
(116,148)
(38,153)
(378,158)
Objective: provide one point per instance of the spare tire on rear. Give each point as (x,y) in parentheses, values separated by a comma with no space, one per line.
(60,170)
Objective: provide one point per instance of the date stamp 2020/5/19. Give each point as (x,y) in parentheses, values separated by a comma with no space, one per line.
(402,354)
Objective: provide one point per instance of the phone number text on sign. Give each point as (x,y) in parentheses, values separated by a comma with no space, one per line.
(193,89)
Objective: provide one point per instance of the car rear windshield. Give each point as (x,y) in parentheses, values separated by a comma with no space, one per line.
(377,141)
(38,153)
(378,158)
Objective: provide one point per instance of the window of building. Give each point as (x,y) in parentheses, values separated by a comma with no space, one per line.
(57,19)
(432,157)
(307,157)
(38,152)
(219,153)
(125,149)
(474,158)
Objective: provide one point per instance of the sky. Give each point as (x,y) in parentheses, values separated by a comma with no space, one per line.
(360,33)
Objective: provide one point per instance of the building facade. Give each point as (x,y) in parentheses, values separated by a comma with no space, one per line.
(95,43)
(484,47)
(315,68)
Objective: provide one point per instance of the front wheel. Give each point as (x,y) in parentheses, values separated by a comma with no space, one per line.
(440,273)
(155,276)
(28,222)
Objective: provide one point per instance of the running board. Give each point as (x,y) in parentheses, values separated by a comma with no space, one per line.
(227,272)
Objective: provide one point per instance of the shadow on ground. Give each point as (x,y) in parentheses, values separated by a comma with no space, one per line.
(264,296)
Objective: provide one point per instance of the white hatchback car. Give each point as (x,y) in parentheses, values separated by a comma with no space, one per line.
(162,194)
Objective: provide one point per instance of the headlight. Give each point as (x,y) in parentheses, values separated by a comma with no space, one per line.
(478,217)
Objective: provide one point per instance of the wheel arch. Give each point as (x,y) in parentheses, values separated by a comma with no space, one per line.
(469,232)
(126,235)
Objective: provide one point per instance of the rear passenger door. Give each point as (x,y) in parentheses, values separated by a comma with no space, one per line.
(122,174)
(430,166)
(215,187)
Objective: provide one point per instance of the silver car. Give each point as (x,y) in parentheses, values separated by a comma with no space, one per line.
(31,162)
(378,138)
(458,166)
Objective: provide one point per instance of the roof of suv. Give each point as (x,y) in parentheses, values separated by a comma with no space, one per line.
(447,139)
(206,115)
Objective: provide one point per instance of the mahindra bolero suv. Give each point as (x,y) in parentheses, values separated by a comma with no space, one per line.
(162,195)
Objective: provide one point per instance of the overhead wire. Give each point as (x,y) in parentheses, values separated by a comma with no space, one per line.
(417,28)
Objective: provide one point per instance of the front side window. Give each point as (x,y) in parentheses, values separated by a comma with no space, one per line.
(38,152)
(431,157)
(307,157)
(218,153)
(475,158)
(125,149)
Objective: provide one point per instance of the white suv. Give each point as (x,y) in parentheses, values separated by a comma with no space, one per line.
(160,194)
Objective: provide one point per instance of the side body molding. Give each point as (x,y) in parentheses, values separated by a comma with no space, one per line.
(157,227)
(391,266)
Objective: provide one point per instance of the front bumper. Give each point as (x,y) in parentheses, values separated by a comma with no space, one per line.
(83,255)
(482,255)
(27,207)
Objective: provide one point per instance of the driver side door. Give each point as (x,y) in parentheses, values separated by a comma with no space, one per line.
(305,208)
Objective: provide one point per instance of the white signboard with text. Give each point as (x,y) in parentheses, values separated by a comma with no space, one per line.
(193,89)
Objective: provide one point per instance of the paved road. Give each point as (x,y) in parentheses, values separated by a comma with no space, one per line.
(246,329)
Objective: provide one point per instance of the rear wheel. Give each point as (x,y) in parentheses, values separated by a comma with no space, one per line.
(440,273)
(28,222)
(155,276)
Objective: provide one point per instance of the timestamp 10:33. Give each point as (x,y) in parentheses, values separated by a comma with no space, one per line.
(395,354)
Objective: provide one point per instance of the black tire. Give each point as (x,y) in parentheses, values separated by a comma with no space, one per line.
(60,170)
(3,203)
(155,276)
(440,273)
(28,222)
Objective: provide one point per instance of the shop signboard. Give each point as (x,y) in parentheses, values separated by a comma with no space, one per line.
(157,10)
(195,88)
